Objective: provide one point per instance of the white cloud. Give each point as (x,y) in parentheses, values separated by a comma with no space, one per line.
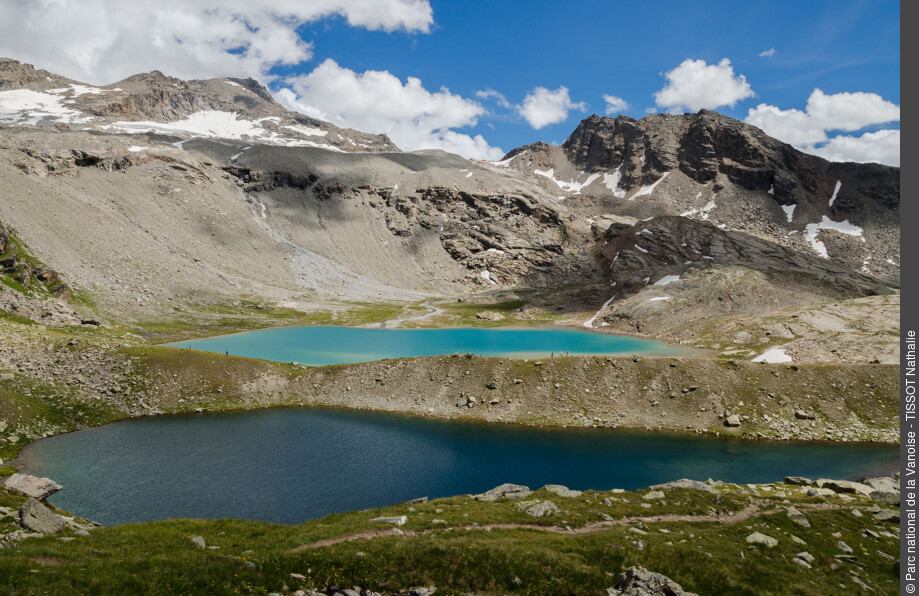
(542,107)
(767,53)
(101,42)
(882,146)
(848,112)
(487,94)
(378,102)
(696,85)
(615,105)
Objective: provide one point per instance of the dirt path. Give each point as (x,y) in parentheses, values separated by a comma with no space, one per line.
(405,317)
(746,513)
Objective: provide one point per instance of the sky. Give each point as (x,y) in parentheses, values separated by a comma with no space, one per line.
(480,78)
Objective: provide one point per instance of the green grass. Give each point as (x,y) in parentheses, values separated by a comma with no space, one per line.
(706,557)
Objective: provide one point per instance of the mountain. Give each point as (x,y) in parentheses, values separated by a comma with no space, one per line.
(154,194)
(240,109)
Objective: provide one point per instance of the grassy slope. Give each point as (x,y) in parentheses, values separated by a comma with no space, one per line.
(707,557)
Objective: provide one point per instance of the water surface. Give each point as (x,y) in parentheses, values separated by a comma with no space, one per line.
(291,465)
(320,346)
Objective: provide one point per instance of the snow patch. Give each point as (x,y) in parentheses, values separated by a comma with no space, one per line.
(503,163)
(641,249)
(773,356)
(835,192)
(667,279)
(844,227)
(789,211)
(308,131)
(612,180)
(590,323)
(486,275)
(570,186)
(24,106)
(137,148)
(232,83)
(646,190)
(659,298)
(772,189)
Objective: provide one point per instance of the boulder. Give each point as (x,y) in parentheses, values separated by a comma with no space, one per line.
(804,415)
(845,486)
(199,542)
(562,491)
(36,517)
(798,480)
(32,486)
(638,581)
(758,538)
(508,491)
(652,495)
(733,420)
(398,521)
(797,517)
(820,492)
(888,515)
(685,483)
(537,508)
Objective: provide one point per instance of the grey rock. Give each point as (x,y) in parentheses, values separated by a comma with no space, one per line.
(199,542)
(844,547)
(762,539)
(509,491)
(32,486)
(36,517)
(845,486)
(798,480)
(398,521)
(638,581)
(686,483)
(805,556)
(537,508)
(804,415)
(733,420)
(888,515)
(653,495)
(797,517)
(820,492)
(81,533)
(562,491)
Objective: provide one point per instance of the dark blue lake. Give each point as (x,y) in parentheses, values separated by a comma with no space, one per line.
(320,346)
(291,465)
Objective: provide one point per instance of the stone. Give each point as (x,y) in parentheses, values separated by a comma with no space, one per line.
(508,491)
(562,491)
(844,547)
(537,508)
(804,415)
(802,563)
(685,483)
(805,556)
(399,521)
(886,497)
(82,533)
(888,515)
(652,495)
(797,517)
(36,517)
(199,542)
(762,539)
(32,486)
(638,581)
(882,483)
(798,480)
(733,420)
(819,492)
(845,486)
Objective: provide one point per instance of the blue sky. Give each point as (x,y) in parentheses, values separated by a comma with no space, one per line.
(417,69)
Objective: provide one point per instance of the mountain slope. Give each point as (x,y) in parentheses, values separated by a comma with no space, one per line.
(153,102)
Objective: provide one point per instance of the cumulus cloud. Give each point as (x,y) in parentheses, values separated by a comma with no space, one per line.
(615,105)
(98,41)
(491,94)
(696,85)
(379,102)
(848,112)
(542,107)
(882,146)
(767,53)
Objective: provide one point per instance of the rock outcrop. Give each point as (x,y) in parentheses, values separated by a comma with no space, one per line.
(638,581)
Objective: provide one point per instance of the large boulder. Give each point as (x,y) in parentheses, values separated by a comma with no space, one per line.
(638,581)
(32,486)
(562,491)
(508,491)
(36,517)
(845,486)
(537,508)
(686,483)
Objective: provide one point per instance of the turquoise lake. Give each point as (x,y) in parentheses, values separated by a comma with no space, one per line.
(321,346)
(291,465)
